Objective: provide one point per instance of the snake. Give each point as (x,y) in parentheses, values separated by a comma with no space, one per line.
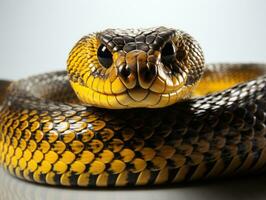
(135,107)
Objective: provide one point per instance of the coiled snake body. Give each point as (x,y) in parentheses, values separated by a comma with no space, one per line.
(144,115)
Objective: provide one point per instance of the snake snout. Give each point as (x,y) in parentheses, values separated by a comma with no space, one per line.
(139,69)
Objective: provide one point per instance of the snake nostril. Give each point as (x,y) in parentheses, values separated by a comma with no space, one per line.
(148,73)
(124,71)
(168,53)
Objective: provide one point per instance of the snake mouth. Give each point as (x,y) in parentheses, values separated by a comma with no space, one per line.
(163,92)
(165,89)
(117,92)
(139,97)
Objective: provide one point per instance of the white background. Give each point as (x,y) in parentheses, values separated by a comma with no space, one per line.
(36,36)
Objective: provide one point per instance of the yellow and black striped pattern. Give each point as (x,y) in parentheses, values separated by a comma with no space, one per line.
(48,136)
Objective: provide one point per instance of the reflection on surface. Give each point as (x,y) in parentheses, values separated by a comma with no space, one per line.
(237,188)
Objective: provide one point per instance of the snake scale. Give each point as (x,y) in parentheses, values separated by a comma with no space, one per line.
(149,111)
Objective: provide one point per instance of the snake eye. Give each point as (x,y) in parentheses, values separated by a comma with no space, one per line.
(105,57)
(168,53)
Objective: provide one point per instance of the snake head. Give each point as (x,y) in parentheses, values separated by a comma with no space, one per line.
(132,68)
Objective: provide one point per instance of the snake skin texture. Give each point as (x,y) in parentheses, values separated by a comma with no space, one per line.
(48,136)
(68,144)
